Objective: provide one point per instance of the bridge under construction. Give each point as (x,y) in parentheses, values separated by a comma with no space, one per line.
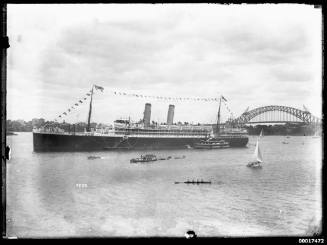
(275,114)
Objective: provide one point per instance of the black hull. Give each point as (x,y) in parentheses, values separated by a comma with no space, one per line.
(43,142)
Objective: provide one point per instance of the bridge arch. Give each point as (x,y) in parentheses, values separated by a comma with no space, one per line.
(304,116)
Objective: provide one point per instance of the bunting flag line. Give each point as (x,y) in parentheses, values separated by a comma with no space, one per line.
(164,97)
(80,101)
(119,93)
(231,113)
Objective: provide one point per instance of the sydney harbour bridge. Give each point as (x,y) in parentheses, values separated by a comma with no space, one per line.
(276,114)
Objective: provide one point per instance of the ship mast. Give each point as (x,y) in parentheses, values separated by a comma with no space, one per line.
(218,121)
(90,112)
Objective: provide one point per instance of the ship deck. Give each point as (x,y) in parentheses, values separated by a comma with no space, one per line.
(133,135)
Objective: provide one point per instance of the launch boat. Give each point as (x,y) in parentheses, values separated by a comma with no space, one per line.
(145,158)
(135,136)
(211,144)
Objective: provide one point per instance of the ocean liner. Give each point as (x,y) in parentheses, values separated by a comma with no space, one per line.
(139,136)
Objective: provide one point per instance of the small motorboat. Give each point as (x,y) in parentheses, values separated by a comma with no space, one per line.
(211,144)
(93,157)
(182,157)
(144,158)
(255,164)
(284,142)
(11,133)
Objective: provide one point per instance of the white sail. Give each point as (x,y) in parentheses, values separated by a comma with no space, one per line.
(261,133)
(257,153)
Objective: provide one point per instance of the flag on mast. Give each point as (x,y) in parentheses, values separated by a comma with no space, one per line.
(223,98)
(99,87)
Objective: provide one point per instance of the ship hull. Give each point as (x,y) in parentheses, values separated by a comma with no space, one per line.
(45,142)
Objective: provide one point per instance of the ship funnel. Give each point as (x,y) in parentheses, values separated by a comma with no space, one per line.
(170,116)
(147,115)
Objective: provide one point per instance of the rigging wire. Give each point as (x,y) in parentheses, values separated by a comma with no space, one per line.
(76,105)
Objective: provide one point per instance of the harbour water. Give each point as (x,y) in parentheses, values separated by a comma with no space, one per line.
(68,195)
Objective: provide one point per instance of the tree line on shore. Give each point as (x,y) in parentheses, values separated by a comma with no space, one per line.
(277,129)
(282,129)
(27,126)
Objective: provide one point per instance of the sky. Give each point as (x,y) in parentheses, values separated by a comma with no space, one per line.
(253,55)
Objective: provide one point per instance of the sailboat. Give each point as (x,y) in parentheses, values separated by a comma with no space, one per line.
(261,133)
(316,135)
(257,157)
